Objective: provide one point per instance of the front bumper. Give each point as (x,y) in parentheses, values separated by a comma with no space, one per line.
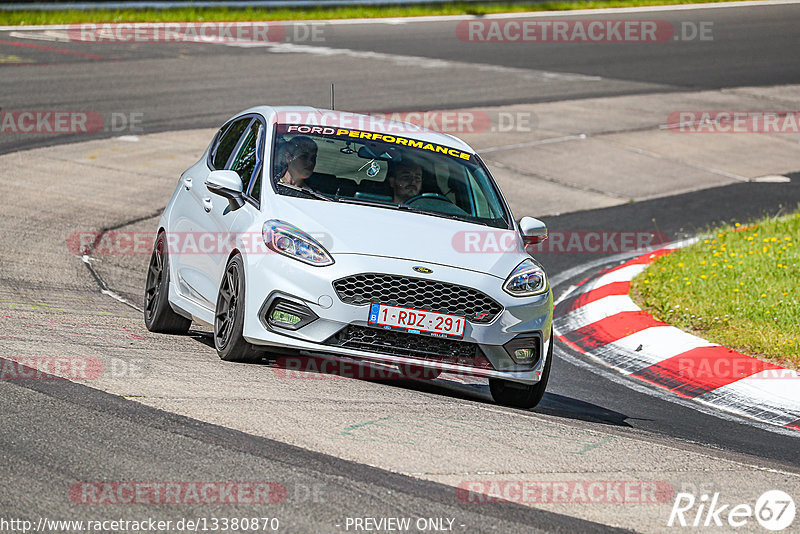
(271,276)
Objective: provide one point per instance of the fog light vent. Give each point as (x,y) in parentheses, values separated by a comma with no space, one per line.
(524,350)
(280,317)
(525,355)
(289,315)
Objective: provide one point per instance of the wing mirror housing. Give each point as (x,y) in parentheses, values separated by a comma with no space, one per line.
(533,230)
(226,184)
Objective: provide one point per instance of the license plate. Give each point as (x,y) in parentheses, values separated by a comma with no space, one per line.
(416,321)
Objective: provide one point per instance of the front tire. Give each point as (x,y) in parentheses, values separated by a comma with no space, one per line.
(518,395)
(229,316)
(158,314)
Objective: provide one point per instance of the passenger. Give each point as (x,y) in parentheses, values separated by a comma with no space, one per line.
(405,179)
(299,157)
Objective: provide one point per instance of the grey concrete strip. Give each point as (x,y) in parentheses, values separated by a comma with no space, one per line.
(447,433)
(615,149)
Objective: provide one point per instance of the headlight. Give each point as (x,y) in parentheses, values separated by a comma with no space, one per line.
(290,241)
(526,280)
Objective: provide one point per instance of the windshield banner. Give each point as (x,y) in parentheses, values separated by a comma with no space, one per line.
(346,133)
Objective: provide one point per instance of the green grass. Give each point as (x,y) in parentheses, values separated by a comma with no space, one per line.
(18,18)
(739,287)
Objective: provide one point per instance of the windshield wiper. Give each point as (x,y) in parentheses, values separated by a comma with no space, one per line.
(454,216)
(359,202)
(306,190)
(495,223)
(446,215)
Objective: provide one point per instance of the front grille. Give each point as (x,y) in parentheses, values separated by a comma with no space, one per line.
(395,343)
(419,293)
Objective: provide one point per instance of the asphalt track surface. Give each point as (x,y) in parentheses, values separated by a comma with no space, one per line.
(55,432)
(751,46)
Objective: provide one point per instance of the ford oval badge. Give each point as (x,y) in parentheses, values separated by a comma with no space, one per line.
(423,270)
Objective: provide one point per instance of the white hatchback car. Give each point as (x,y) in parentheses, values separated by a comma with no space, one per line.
(337,234)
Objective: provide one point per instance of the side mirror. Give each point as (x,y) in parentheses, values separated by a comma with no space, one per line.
(226,184)
(533,230)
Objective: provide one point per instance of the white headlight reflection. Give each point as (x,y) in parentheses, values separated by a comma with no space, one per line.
(527,279)
(285,239)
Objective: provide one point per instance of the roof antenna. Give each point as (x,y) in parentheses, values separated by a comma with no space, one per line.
(332,97)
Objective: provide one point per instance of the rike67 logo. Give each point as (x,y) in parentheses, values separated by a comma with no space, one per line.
(774,510)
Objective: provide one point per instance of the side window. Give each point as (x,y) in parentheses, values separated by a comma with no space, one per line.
(227,142)
(247,157)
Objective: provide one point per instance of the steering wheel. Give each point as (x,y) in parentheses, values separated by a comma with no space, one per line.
(433,196)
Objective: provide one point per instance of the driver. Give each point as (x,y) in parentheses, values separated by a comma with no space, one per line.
(405,179)
(299,159)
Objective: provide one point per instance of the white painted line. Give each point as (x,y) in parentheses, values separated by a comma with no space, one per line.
(683,243)
(48,35)
(773,179)
(398,59)
(569,12)
(87,260)
(415,61)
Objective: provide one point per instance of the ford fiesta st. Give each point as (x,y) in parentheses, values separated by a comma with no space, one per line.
(338,234)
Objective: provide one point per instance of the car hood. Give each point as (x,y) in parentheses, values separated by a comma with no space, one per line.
(344,228)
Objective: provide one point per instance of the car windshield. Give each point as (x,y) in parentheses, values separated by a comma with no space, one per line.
(387,171)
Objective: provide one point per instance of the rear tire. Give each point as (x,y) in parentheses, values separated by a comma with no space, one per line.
(229,316)
(417,371)
(518,395)
(158,314)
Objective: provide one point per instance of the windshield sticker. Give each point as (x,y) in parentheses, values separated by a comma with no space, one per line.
(373,169)
(372,136)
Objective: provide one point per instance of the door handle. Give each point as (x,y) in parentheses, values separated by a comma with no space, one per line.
(207,204)
(187,182)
